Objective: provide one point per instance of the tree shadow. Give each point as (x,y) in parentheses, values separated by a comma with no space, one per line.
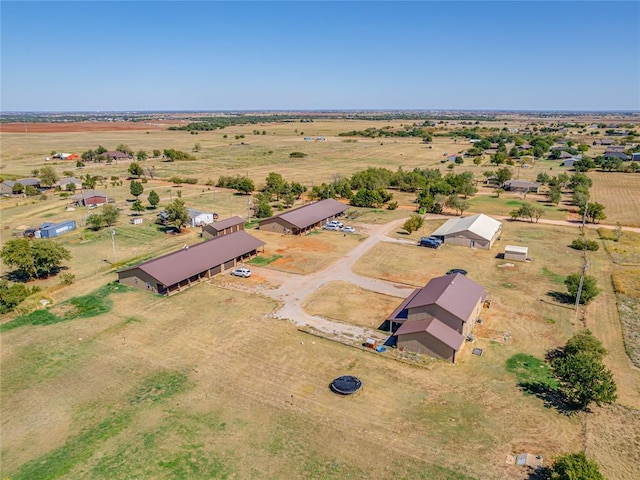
(550,396)
(539,473)
(561,297)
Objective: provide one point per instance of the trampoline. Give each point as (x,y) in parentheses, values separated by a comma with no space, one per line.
(346,385)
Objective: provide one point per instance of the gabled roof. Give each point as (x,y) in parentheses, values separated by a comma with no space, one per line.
(34,182)
(516,249)
(480,225)
(117,154)
(436,329)
(454,293)
(521,184)
(177,266)
(194,213)
(67,180)
(88,194)
(226,223)
(313,213)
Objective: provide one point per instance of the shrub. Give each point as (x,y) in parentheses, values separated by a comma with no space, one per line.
(584,244)
(297,155)
(191,181)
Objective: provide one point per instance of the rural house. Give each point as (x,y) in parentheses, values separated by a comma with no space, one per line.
(436,319)
(521,186)
(63,182)
(620,155)
(476,231)
(117,155)
(223,227)
(198,218)
(302,219)
(90,197)
(175,271)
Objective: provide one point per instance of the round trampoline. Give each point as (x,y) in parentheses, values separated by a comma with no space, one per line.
(346,385)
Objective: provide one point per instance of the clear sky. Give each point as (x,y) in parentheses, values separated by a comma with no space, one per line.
(304,55)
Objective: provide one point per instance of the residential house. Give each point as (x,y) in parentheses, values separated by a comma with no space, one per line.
(521,186)
(620,155)
(475,231)
(198,218)
(192,264)
(64,182)
(89,198)
(436,319)
(305,218)
(117,155)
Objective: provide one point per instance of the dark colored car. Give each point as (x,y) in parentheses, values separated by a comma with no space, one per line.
(457,270)
(429,242)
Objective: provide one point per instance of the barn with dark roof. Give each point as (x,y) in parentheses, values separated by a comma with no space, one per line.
(303,219)
(192,264)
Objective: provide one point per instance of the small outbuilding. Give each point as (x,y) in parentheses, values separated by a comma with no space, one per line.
(303,219)
(223,227)
(517,253)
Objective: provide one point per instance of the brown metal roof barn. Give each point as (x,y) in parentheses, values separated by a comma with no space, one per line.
(223,227)
(301,219)
(177,270)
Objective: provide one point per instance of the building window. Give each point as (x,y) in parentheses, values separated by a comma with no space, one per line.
(148,286)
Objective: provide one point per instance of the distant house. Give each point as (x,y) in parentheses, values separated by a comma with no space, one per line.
(569,162)
(90,197)
(178,270)
(604,141)
(525,146)
(620,155)
(564,155)
(223,227)
(476,231)
(198,218)
(64,182)
(635,157)
(521,186)
(517,253)
(303,219)
(453,158)
(616,148)
(436,319)
(117,155)
(6,188)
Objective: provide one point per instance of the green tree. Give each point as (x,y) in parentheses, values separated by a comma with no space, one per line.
(245,185)
(48,176)
(31,191)
(17,188)
(503,174)
(110,214)
(71,187)
(100,150)
(137,206)
(153,198)
(589,287)
(274,184)
(177,213)
(498,192)
(156,153)
(141,155)
(12,294)
(33,258)
(413,223)
(595,212)
(135,169)
(575,466)
(263,210)
(555,195)
(585,341)
(136,188)
(124,149)
(95,221)
(89,181)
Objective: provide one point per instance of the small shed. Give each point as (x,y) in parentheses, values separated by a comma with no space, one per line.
(513,252)
(136,220)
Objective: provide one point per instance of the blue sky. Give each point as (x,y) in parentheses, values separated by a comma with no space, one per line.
(162,55)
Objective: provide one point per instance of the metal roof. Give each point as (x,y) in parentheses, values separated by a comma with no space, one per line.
(312,213)
(226,223)
(189,261)
(456,293)
(480,224)
(436,329)
(516,249)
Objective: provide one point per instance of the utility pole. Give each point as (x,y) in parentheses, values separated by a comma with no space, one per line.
(249,208)
(579,294)
(113,242)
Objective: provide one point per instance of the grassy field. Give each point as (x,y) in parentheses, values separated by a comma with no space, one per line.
(206,384)
(618,192)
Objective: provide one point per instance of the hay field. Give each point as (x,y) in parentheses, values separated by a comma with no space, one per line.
(620,194)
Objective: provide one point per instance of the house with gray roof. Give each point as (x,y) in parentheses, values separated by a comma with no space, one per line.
(521,186)
(192,264)
(436,319)
(475,231)
(305,218)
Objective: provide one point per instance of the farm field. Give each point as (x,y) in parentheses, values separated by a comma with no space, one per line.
(208,384)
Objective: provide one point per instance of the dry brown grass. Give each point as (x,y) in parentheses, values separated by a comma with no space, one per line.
(618,192)
(623,251)
(349,303)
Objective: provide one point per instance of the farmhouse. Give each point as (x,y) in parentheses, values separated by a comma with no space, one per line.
(6,188)
(521,186)
(198,218)
(302,219)
(117,155)
(90,197)
(63,182)
(513,252)
(476,231)
(175,271)
(436,319)
(223,227)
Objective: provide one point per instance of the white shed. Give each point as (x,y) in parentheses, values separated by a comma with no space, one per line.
(513,252)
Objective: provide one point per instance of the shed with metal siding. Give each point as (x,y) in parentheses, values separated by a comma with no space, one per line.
(55,230)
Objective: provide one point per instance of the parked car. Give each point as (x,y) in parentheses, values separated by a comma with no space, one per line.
(241,272)
(335,223)
(457,270)
(348,229)
(329,226)
(427,242)
(432,238)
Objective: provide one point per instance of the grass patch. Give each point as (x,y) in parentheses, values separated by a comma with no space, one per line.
(530,370)
(554,277)
(80,448)
(626,250)
(264,260)
(87,306)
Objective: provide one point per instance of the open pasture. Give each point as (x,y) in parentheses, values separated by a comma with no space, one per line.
(620,194)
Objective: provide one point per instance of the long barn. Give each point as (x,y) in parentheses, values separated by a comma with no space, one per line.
(303,219)
(177,270)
